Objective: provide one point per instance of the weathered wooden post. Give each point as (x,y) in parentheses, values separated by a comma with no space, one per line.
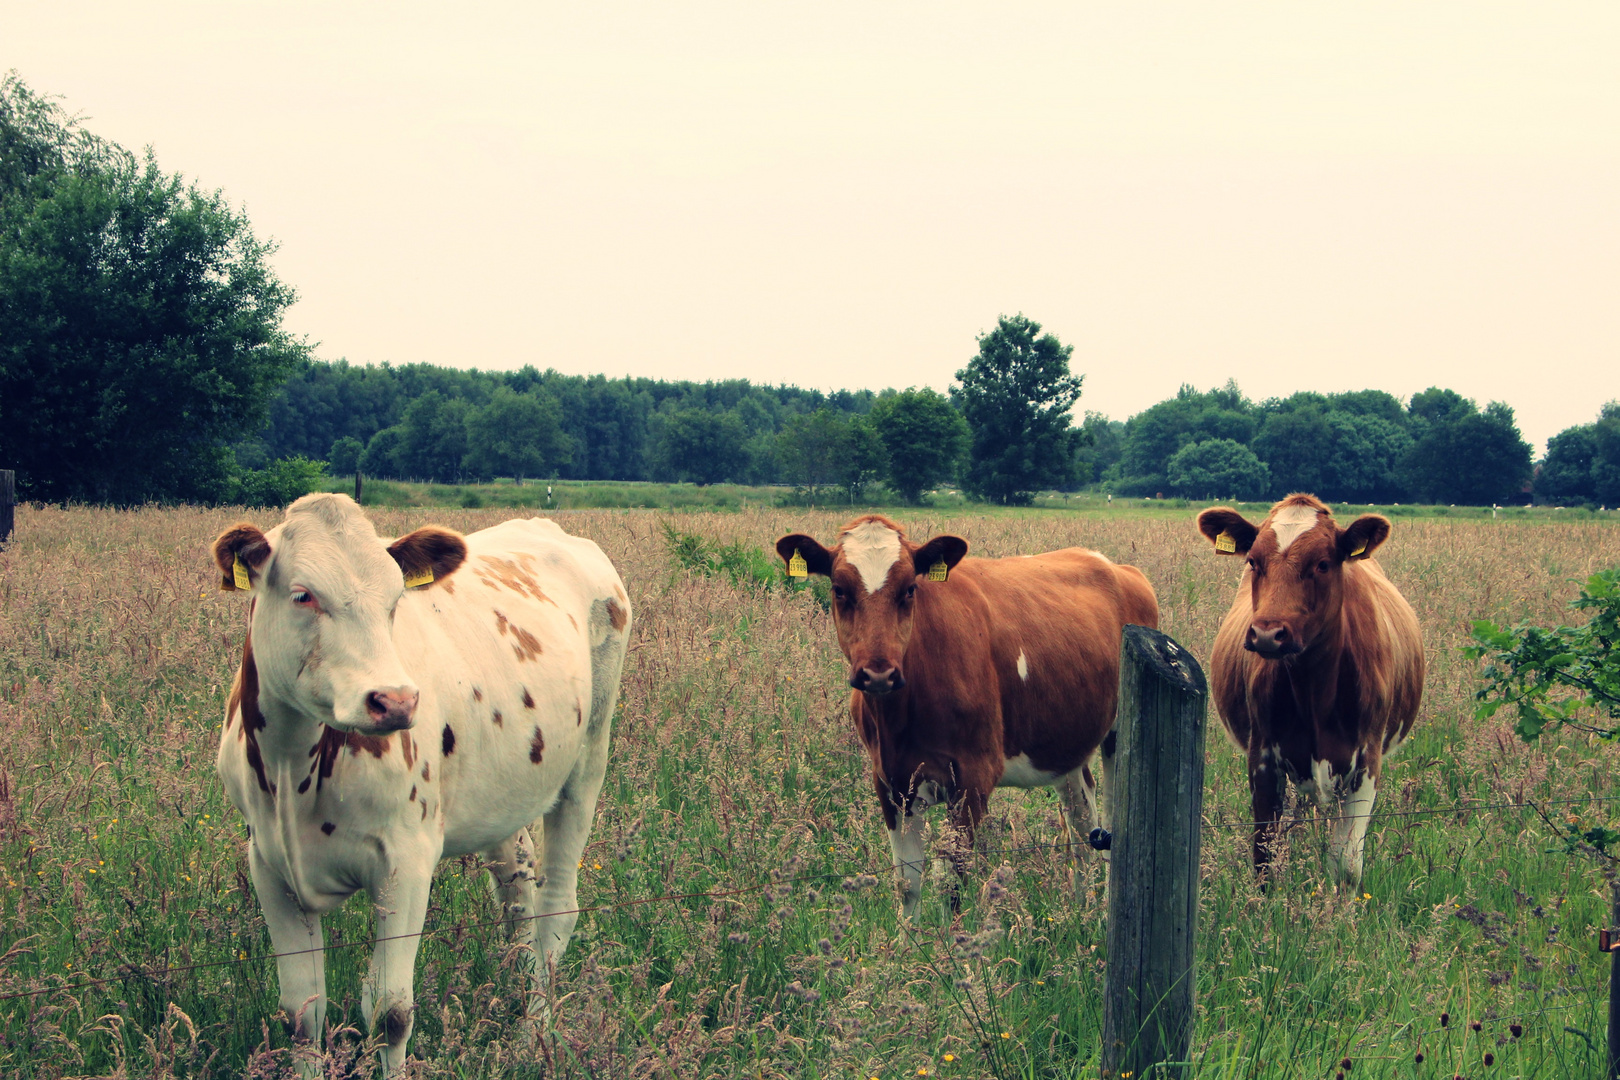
(8,503)
(1157,792)
(1614,988)
(357,483)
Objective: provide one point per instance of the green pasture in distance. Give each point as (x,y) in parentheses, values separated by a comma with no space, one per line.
(651,495)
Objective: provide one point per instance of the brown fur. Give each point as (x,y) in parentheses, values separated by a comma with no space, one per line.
(429,548)
(964,710)
(1353,690)
(245,540)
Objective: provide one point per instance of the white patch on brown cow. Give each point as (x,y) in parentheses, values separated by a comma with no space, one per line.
(1020,772)
(871,548)
(1291,523)
(1023,666)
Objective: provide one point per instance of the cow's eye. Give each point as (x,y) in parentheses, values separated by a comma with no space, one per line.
(909,594)
(1323,567)
(305,598)
(839,594)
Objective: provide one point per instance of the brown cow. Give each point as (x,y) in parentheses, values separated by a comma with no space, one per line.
(972,674)
(1318,667)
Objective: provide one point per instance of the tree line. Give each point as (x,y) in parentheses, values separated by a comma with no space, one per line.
(142,357)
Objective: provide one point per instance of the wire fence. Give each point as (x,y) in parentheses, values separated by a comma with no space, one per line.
(133,970)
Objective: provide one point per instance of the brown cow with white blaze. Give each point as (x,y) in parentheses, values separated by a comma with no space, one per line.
(1004,674)
(1318,668)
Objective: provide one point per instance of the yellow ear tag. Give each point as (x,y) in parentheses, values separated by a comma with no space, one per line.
(797,567)
(421,577)
(939,571)
(1225,544)
(1359,549)
(239,573)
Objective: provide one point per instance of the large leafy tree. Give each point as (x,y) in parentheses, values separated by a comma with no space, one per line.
(1217,469)
(1153,436)
(140,322)
(1461,454)
(516,435)
(1016,395)
(925,438)
(694,444)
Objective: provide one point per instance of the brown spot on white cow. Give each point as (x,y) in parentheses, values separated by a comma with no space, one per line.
(427,771)
(412,796)
(497,718)
(478,695)
(526,646)
(618,615)
(528,699)
(537,746)
(502,573)
(447,744)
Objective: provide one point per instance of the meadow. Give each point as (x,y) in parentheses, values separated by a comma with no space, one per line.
(742,916)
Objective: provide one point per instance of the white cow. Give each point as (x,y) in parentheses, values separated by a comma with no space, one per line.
(388,715)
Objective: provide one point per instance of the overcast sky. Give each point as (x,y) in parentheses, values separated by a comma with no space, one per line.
(1295,195)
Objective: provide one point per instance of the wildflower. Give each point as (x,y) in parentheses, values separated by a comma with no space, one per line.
(1417,1059)
(1366,896)
(1345,1064)
(950,1057)
(1490,1059)
(1006,1034)
(1516,1030)
(1445,1019)
(1474,1025)
(596,866)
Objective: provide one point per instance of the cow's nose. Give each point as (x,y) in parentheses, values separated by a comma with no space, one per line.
(1268,640)
(877,680)
(391,708)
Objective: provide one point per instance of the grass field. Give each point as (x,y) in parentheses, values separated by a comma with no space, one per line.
(735,772)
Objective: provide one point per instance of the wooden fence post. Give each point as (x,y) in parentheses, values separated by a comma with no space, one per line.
(1157,793)
(357,483)
(1614,991)
(8,503)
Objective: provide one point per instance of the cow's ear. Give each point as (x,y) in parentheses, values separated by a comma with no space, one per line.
(817,559)
(949,550)
(1227,529)
(429,554)
(1363,536)
(240,553)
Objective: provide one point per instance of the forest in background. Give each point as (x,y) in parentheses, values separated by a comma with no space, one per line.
(143,358)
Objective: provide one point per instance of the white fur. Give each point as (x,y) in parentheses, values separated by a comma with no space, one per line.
(392,820)
(871,548)
(1023,666)
(1350,829)
(1291,523)
(1020,773)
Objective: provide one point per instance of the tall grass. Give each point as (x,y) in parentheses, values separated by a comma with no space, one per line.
(735,772)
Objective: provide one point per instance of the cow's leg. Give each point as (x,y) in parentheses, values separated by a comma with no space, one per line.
(906,842)
(1267,788)
(387,997)
(512,879)
(295,934)
(967,810)
(1080,795)
(567,829)
(1352,808)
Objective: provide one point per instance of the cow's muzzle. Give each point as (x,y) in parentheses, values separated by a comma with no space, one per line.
(885,679)
(391,708)
(1271,641)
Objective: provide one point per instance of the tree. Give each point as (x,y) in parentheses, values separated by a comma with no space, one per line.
(344,457)
(1565,474)
(809,448)
(1154,435)
(1460,454)
(381,457)
(696,445)
(433,438)
(1217,469)
(516,435)
(1016,395)
(925,438)
(140,322)
(862,458)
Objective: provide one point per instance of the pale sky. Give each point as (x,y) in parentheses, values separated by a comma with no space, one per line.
(1296,195)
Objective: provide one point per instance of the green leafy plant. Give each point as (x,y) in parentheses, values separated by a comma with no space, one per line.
(1553,675)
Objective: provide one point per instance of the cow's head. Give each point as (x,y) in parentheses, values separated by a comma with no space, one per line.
(1295,567)
(874,571)
(326,587)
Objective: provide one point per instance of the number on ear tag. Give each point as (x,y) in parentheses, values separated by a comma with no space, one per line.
(239,574)
(797,567)
(1225,544)
(939,571)
(421,577)
(1360,547)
